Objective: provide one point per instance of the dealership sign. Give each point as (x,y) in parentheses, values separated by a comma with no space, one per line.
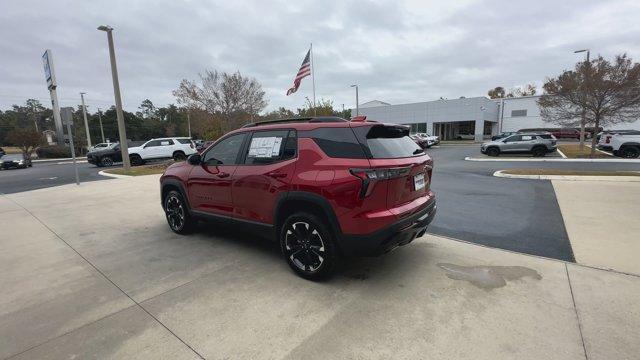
(49,74)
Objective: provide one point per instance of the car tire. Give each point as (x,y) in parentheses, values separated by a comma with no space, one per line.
(179,156)
(307,244)
(539,151)
(177,213)
(493,151)
(631,152)
(135,160)
(106,161)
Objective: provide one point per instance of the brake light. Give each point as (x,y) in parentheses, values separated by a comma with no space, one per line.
(381,173)
(371,175)
(607,139)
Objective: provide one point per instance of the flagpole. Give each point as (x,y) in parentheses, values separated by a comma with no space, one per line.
(313,77)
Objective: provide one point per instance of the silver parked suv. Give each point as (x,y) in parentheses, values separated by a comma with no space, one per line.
(538,144)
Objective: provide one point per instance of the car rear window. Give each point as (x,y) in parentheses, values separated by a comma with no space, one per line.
(387,142)
(337,142)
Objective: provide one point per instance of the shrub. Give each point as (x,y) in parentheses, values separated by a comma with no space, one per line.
(53,151)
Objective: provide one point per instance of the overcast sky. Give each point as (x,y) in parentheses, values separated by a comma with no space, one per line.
(396,51)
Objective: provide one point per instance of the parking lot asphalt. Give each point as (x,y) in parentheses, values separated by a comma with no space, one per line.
(46,174)
(94,272)
(514,214)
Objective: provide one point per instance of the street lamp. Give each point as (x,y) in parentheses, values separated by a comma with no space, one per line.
(122,132)
(357,104)
(585,80)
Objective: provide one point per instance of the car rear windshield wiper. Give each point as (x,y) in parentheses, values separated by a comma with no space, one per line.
(418,151)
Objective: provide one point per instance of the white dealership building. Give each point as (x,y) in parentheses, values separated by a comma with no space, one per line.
(465,118)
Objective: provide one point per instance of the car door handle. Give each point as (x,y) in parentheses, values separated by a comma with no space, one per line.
(277,175)
(222,175)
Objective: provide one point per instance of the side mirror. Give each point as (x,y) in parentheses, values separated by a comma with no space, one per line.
(194,159)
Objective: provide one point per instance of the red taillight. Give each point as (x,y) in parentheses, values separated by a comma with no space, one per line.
(607,139)
(368,176)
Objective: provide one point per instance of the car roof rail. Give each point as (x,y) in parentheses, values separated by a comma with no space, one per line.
(314,119)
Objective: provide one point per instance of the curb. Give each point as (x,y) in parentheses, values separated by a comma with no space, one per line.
(78,158)
(616,160)
(117,176)
(501,174)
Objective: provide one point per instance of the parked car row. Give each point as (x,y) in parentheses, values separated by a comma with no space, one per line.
(537,144)
(425,140)
(177,148)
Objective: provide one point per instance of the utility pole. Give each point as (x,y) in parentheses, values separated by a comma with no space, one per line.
(584,110)
(122,131)
(67,114)
(35,118)
(357,102)
(189,124)
(100,120)
(86,123)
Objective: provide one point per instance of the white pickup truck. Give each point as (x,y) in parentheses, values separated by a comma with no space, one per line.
(177,148)
(625,145)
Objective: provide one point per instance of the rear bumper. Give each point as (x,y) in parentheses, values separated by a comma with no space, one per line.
(386,239)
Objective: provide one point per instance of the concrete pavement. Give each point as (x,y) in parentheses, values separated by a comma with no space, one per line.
(94,272)
(601,219)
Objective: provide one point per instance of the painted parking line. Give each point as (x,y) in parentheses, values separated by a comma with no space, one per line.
(614,160)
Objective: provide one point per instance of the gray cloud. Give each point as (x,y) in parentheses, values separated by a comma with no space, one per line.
(397,51)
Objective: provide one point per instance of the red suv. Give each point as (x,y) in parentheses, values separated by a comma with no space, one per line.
(324,187)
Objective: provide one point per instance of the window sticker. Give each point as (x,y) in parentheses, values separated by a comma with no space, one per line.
(265,147)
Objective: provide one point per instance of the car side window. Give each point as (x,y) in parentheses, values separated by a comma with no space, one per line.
(153,143)
(513,138)
(267,147)
(167,142)
(226,151)
(527,137)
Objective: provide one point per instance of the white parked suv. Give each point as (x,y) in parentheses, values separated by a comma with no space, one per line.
(625,145)
(177,148)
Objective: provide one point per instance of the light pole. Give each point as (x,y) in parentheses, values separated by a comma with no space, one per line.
(100,120)
(122,132)
(584,110)
(86,124)
(357,103)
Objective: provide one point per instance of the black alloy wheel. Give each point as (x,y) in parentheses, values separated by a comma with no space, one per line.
(135,160)
(179,156)
(178,217)
(631,152)
(106,161)
(493,151)
(308,246)
(539,151)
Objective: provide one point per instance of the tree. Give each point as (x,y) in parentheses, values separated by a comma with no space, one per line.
(323,108)
(147,109)
(607,93)
(281,113)
(496,93)
(527,90)
(231,96)
(26,139)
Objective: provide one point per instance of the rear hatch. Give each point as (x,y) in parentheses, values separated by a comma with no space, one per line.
(398,161)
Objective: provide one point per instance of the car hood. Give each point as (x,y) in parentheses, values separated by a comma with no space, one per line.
(495,142)
(100,152)
(135,149)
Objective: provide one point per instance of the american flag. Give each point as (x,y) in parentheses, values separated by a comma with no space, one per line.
(305,70)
